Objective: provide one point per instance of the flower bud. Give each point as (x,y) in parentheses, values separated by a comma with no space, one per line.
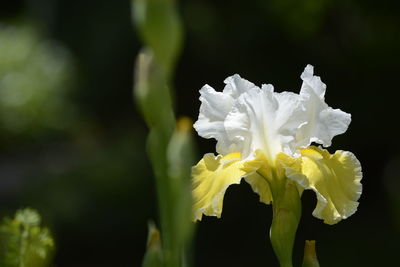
(310,256)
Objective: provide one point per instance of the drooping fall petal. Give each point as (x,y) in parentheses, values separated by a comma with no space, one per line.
(334,178)
(211,177)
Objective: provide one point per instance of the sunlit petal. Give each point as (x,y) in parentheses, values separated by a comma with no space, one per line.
(211,177)
(323,122)
(260,175)
(236,85)
(260,186)
(334,178)
(214,108)
(265,120)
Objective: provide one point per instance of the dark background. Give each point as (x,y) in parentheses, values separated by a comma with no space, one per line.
(89,177)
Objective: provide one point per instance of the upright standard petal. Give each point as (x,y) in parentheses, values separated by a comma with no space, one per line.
(265,120)
(334,178)
(214,108)
(211,177)
(236,85)
(323,122)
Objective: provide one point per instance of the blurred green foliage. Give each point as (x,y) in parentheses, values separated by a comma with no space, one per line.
(170,145)
(23,242)
(153,256)
(160,28)
(35,76)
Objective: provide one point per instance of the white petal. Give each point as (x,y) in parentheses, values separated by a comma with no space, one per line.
(215,105)
(207,128)
(312,83)
(323,122)
(263,119)
(214,108)
(236,85)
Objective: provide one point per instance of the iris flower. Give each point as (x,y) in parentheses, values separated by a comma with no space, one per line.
(266,138)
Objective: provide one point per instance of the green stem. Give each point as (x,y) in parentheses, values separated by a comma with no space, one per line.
(286,208)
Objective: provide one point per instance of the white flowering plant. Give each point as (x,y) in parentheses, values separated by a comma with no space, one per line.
(268,139)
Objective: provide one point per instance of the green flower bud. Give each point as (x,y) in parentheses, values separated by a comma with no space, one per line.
(310,256)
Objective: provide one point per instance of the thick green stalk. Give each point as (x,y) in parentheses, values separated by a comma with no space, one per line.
(169,145)
(286,208)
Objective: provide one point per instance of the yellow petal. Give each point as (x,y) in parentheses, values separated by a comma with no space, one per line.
(334,178)
(260,185)
(211,177)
